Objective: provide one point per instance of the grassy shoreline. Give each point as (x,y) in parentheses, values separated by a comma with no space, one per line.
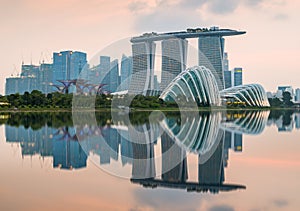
(204,109)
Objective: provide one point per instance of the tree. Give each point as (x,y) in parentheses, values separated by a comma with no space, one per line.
(286,98)
(37,98)
(275,102)
(15,100)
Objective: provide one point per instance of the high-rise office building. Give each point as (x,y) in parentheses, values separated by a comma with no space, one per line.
(238,76)
(174,162)
(45,78)
(297,95)
(143,56)
(231,77)
(114,76)
(126,71)
(103,71)
(226,62)
(228,79)
(30,70)
(30,80)
(238,142)
(297,120)
(109,74)
(68,155)
(212,171)
(104,64)
(282,89)
(211,52)
(126,147)
(12,85)
(227,72)
(174,58)
(67,65)
(112,139)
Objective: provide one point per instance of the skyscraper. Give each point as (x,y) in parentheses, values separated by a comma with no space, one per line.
(297,120)
(211,52)
(174,56)
(29,70)
(114,76)
(68,155)
(227,73)
(228,79)
(45,78)
(297,95)
(238,142)
(212,171)
(174,162)
(104,64)
(109,73)
(238,76)
(142,81)
(104,68)
(226,62)
(126,71)
(67,65)
(12,85)
(282,89)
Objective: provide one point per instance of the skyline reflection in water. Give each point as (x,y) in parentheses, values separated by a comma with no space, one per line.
(153,153)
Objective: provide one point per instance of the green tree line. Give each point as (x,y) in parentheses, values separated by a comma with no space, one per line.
(37,99)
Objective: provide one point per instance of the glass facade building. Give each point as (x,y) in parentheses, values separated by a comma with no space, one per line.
(238,76)
(174,57)
(248,95)
(211,52)
(67,65)
(12,85)
(297,95)
(126,71)
(196,84)
(143,56)
(227,79)
(112,77)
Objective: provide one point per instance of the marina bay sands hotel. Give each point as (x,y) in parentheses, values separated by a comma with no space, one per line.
(174,47)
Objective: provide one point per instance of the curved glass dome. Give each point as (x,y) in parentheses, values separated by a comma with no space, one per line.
(200,134)
(249,95)
(194,85)
(251,122)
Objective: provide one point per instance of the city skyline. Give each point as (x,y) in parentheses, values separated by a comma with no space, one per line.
(139,69)
(111,74)
(265,50)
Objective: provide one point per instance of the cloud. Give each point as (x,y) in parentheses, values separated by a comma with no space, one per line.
(137,6)
(160,199)
(253,3)
(221,208)
(163,15)
(192,3)
(222,7)
(280,203)
(163,19)
(281,17)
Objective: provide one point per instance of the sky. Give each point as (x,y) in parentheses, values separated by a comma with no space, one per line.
(31,30)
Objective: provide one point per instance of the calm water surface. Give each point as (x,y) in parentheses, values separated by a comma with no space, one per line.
(229,160)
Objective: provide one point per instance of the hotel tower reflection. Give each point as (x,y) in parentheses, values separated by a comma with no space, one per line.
(169,137)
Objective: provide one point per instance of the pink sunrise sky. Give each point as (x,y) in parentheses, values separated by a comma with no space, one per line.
(31,30)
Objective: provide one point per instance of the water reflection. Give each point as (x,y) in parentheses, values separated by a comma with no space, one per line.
(165,140)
